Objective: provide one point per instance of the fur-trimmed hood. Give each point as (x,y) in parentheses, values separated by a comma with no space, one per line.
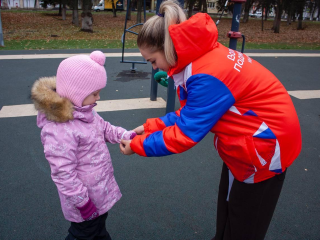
(47,101)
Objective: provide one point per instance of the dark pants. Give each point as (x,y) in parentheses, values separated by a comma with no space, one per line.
(247,214)
(89,230)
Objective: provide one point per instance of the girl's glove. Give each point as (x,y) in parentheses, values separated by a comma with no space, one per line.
(88,211)
(133,135)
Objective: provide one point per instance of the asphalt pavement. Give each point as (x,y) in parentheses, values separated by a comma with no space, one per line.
(170,197)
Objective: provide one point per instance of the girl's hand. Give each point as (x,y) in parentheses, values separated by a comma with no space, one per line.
(139,130)
(125,147)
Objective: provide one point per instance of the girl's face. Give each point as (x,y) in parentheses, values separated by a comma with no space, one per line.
(157,59)
(92,98)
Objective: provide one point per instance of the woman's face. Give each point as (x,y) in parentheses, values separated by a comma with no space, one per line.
(157,59)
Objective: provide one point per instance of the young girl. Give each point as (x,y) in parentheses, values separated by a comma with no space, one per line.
(257,132)
(74,136)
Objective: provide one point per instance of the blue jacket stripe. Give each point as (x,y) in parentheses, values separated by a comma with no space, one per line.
(183,94)
(208,99)
(267,134)
(154,145)
(169,119)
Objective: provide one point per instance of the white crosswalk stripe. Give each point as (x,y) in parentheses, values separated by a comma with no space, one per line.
(66,55)
(126,104)
(305,94)
(103,106)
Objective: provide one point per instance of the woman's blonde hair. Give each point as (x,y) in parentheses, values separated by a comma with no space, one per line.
(155,32)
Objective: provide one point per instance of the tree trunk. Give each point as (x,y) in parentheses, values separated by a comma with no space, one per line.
(86,16)
(247,7)
(205,6)
(64,10)
(300,10)
(21,4)
(60,8)
(267,9)
(278,16)
(312,12)
(129,8)
(200,5)
(190,8)
(36,4)
(300,19)
(274,19)
(262,19)
(75,15)
(310,6)
(294,16)
(289,15)
(289,18)
(139,10)
(114,11)
(318,15)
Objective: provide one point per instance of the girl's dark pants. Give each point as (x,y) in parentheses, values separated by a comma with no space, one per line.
(89,230)
(247,214)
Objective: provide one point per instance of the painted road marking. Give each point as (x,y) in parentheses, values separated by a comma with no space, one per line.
(283,54)
(126,104)
(306,94)
(103,106)
(43,56)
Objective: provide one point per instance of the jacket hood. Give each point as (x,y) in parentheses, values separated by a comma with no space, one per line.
(48,102)
(192,39)
(53,108)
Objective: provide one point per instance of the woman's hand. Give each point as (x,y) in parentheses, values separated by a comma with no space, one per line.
(125,147)
(139,130)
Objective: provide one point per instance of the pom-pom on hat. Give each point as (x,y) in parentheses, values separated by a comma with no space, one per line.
(81,75)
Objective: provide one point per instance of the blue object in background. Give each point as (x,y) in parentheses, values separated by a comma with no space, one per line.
(1,34)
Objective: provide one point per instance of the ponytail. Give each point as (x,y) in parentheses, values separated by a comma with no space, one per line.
(155,32)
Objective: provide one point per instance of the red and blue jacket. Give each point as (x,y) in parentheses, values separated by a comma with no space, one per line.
(257,131)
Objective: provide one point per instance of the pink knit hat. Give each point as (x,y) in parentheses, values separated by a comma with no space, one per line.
(79,76)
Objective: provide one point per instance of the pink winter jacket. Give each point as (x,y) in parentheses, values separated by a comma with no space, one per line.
(76,150)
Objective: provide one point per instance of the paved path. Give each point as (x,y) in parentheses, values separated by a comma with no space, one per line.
(172,197)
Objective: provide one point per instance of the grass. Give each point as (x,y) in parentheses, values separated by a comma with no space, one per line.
(27,29)
(66,44)
(117,44)
(279,46)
